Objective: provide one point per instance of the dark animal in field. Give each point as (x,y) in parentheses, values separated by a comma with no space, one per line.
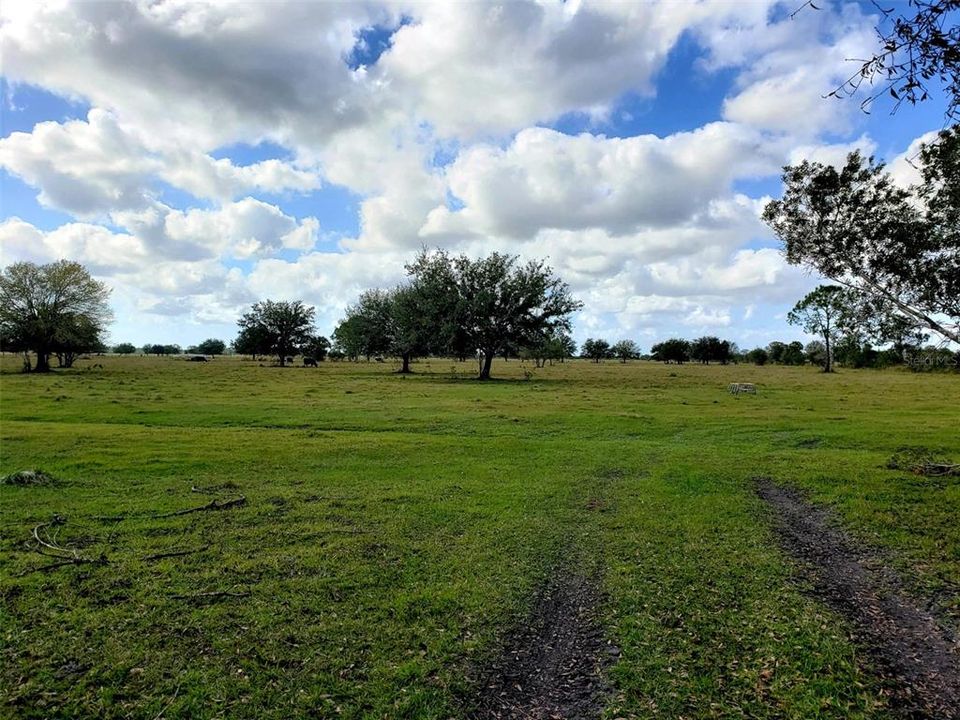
(198,358)
(309,362)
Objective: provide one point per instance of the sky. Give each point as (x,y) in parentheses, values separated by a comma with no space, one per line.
(198,157)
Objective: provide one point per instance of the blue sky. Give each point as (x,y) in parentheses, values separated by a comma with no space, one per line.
(312,153)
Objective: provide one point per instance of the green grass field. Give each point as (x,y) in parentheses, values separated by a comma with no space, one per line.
(396,527)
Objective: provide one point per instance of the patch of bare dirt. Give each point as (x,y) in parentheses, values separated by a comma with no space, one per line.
(551,666)
(917,657)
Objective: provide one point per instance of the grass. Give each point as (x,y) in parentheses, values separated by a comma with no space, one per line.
(396,527)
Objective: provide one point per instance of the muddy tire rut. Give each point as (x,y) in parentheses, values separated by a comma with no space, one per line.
(917,657)
(551,665)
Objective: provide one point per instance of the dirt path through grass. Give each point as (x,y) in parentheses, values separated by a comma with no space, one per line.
(551,665)
(919,660)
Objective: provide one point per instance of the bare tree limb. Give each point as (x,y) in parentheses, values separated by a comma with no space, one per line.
(212,505)
(175,553)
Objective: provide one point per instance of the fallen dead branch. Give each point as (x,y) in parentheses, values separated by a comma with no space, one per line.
(921,461)
(214,595)
(49,547)
(212,505)
(175,553)
(53,548)
(62,563)
(940,469)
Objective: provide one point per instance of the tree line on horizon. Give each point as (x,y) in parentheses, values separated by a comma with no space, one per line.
(892,253)
(450,305)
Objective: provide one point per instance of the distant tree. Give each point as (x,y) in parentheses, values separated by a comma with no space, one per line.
(851,350)
(549,348)
(793,354)
(758,356)
(816,353)
(349,337)
(626,350)
(902,333)
(822,313)
(564,347)
(491,303)
(43,307)
(733,353)
(596,349)
(858,228)
(442,305)
(253,340)
(674,350)
(316,347)
(159,349)
(282,326)
(775,350)
(700,350)
(711,349)
(124,349)
(409,332)
(366,330)
(538,351)
(392,322)
(75,336)
(212,346)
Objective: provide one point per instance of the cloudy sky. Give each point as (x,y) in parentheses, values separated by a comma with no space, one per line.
(201,156)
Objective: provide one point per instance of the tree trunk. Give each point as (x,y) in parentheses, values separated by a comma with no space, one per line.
(282,360)
(826,360)
(485,368)
(43,362)
(406,363)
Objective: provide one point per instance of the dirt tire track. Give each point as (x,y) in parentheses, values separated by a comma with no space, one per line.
(917,658)
(551,666)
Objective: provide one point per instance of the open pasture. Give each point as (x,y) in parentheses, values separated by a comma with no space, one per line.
(395,530)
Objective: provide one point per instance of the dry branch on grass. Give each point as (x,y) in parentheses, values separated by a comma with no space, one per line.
(213,595)
(921,461)
(175,553)
(212,505)
(49,547)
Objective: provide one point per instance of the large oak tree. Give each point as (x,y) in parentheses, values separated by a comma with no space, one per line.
(277,327)
(50,308)
(855,226)
(488,304)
